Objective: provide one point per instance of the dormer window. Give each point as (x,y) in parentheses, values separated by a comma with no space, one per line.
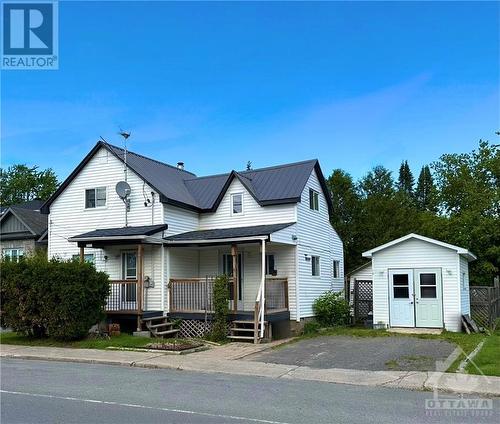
(95,197)
(313,200)
(236,203)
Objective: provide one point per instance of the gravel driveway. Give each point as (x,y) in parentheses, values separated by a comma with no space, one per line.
(363,353)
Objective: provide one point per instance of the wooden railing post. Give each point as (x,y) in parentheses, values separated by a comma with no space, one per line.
(234,254)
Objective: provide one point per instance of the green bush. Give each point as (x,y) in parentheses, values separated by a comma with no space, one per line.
(311,327)
(331,309)
(52,298)
(221,308)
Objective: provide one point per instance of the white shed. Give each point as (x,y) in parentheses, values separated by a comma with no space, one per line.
(420,282)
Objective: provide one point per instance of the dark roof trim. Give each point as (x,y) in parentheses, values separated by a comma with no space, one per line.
(323,185)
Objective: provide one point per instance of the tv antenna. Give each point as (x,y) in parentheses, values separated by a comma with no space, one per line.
(122,187)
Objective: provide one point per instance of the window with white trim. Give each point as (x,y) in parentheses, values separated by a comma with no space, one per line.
(313,200)
(13,254)
(95,197)
(315,266)
(336,269)
(236,203)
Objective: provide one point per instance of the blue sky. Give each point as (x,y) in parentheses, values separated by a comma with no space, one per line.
(217,84)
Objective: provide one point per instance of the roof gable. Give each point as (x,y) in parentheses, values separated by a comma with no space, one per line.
(460,250)
(268,186)
(32,220)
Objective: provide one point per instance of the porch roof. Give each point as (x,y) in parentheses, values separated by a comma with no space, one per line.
(224,234)
(137,234)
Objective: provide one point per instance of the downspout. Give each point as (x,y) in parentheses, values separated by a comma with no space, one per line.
(297,294)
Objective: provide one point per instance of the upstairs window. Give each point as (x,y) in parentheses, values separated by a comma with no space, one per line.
(95,197)
(336,269)
(315,271)
(313,200)
(237,203)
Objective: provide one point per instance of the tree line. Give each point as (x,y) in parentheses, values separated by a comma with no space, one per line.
(455,199)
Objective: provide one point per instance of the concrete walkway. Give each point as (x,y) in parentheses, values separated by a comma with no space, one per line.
(221,360)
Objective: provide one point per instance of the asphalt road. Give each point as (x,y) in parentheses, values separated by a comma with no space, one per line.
(60,392)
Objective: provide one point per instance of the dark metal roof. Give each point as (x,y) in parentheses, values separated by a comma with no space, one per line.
(225,233)
(274,185)
(143,230)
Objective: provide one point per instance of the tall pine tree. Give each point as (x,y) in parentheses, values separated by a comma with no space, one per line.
(425,194)
(405,180)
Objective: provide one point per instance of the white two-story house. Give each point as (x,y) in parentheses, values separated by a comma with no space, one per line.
(164,240)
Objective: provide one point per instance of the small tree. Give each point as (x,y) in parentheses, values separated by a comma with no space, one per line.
(221,308)
(52,298)
(331,309)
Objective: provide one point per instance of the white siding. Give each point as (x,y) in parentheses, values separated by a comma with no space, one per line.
(464,286)
(184,262)
(414,254)
(180,220)
(253,213)
(316,237)
(68,217)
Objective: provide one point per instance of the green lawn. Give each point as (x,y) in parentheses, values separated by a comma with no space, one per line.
(123,340)
(487,361)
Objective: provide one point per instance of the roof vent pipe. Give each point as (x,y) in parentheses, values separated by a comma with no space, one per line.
(180,165)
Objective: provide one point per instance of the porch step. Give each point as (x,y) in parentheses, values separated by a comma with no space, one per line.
(167,332)
(246,322)
(250,338)
(160,329)
(163,324)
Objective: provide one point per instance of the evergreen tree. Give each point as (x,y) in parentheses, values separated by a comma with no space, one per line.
(405,180)
(426,191)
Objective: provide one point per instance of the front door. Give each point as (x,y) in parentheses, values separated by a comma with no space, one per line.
(227,269)
(129,272)
(401,309)
(428,298)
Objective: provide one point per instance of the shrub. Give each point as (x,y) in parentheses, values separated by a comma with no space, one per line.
(331,309)
(221,308)
(311,327)
(52,298)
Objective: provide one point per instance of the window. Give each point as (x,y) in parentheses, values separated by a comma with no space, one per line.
(237,203)
(270,265)
(428,286)
(129,262)
(315,271)
(88,257)
(13,254)
(95,197)
(400,286)
(336,269)
(313,200)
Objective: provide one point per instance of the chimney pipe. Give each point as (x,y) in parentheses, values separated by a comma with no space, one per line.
(180,165)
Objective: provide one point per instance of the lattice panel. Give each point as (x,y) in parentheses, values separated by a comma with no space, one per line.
(479,294)
(481,315)
(363,299)
(192,328)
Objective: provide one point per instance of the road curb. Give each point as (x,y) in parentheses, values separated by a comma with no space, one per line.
(409,380)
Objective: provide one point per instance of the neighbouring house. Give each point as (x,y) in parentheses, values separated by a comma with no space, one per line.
(23,229)
(417,282)
(169,233)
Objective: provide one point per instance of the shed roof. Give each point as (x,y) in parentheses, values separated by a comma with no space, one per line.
(460,250)
(122,232)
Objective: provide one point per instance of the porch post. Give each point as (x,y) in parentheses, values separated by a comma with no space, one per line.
(140,280)
(234,253)
(263,285)
(82,254)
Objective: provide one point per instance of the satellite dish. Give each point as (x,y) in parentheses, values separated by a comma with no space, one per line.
(122,189)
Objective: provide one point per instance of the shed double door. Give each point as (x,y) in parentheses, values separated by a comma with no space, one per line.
(415,297)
